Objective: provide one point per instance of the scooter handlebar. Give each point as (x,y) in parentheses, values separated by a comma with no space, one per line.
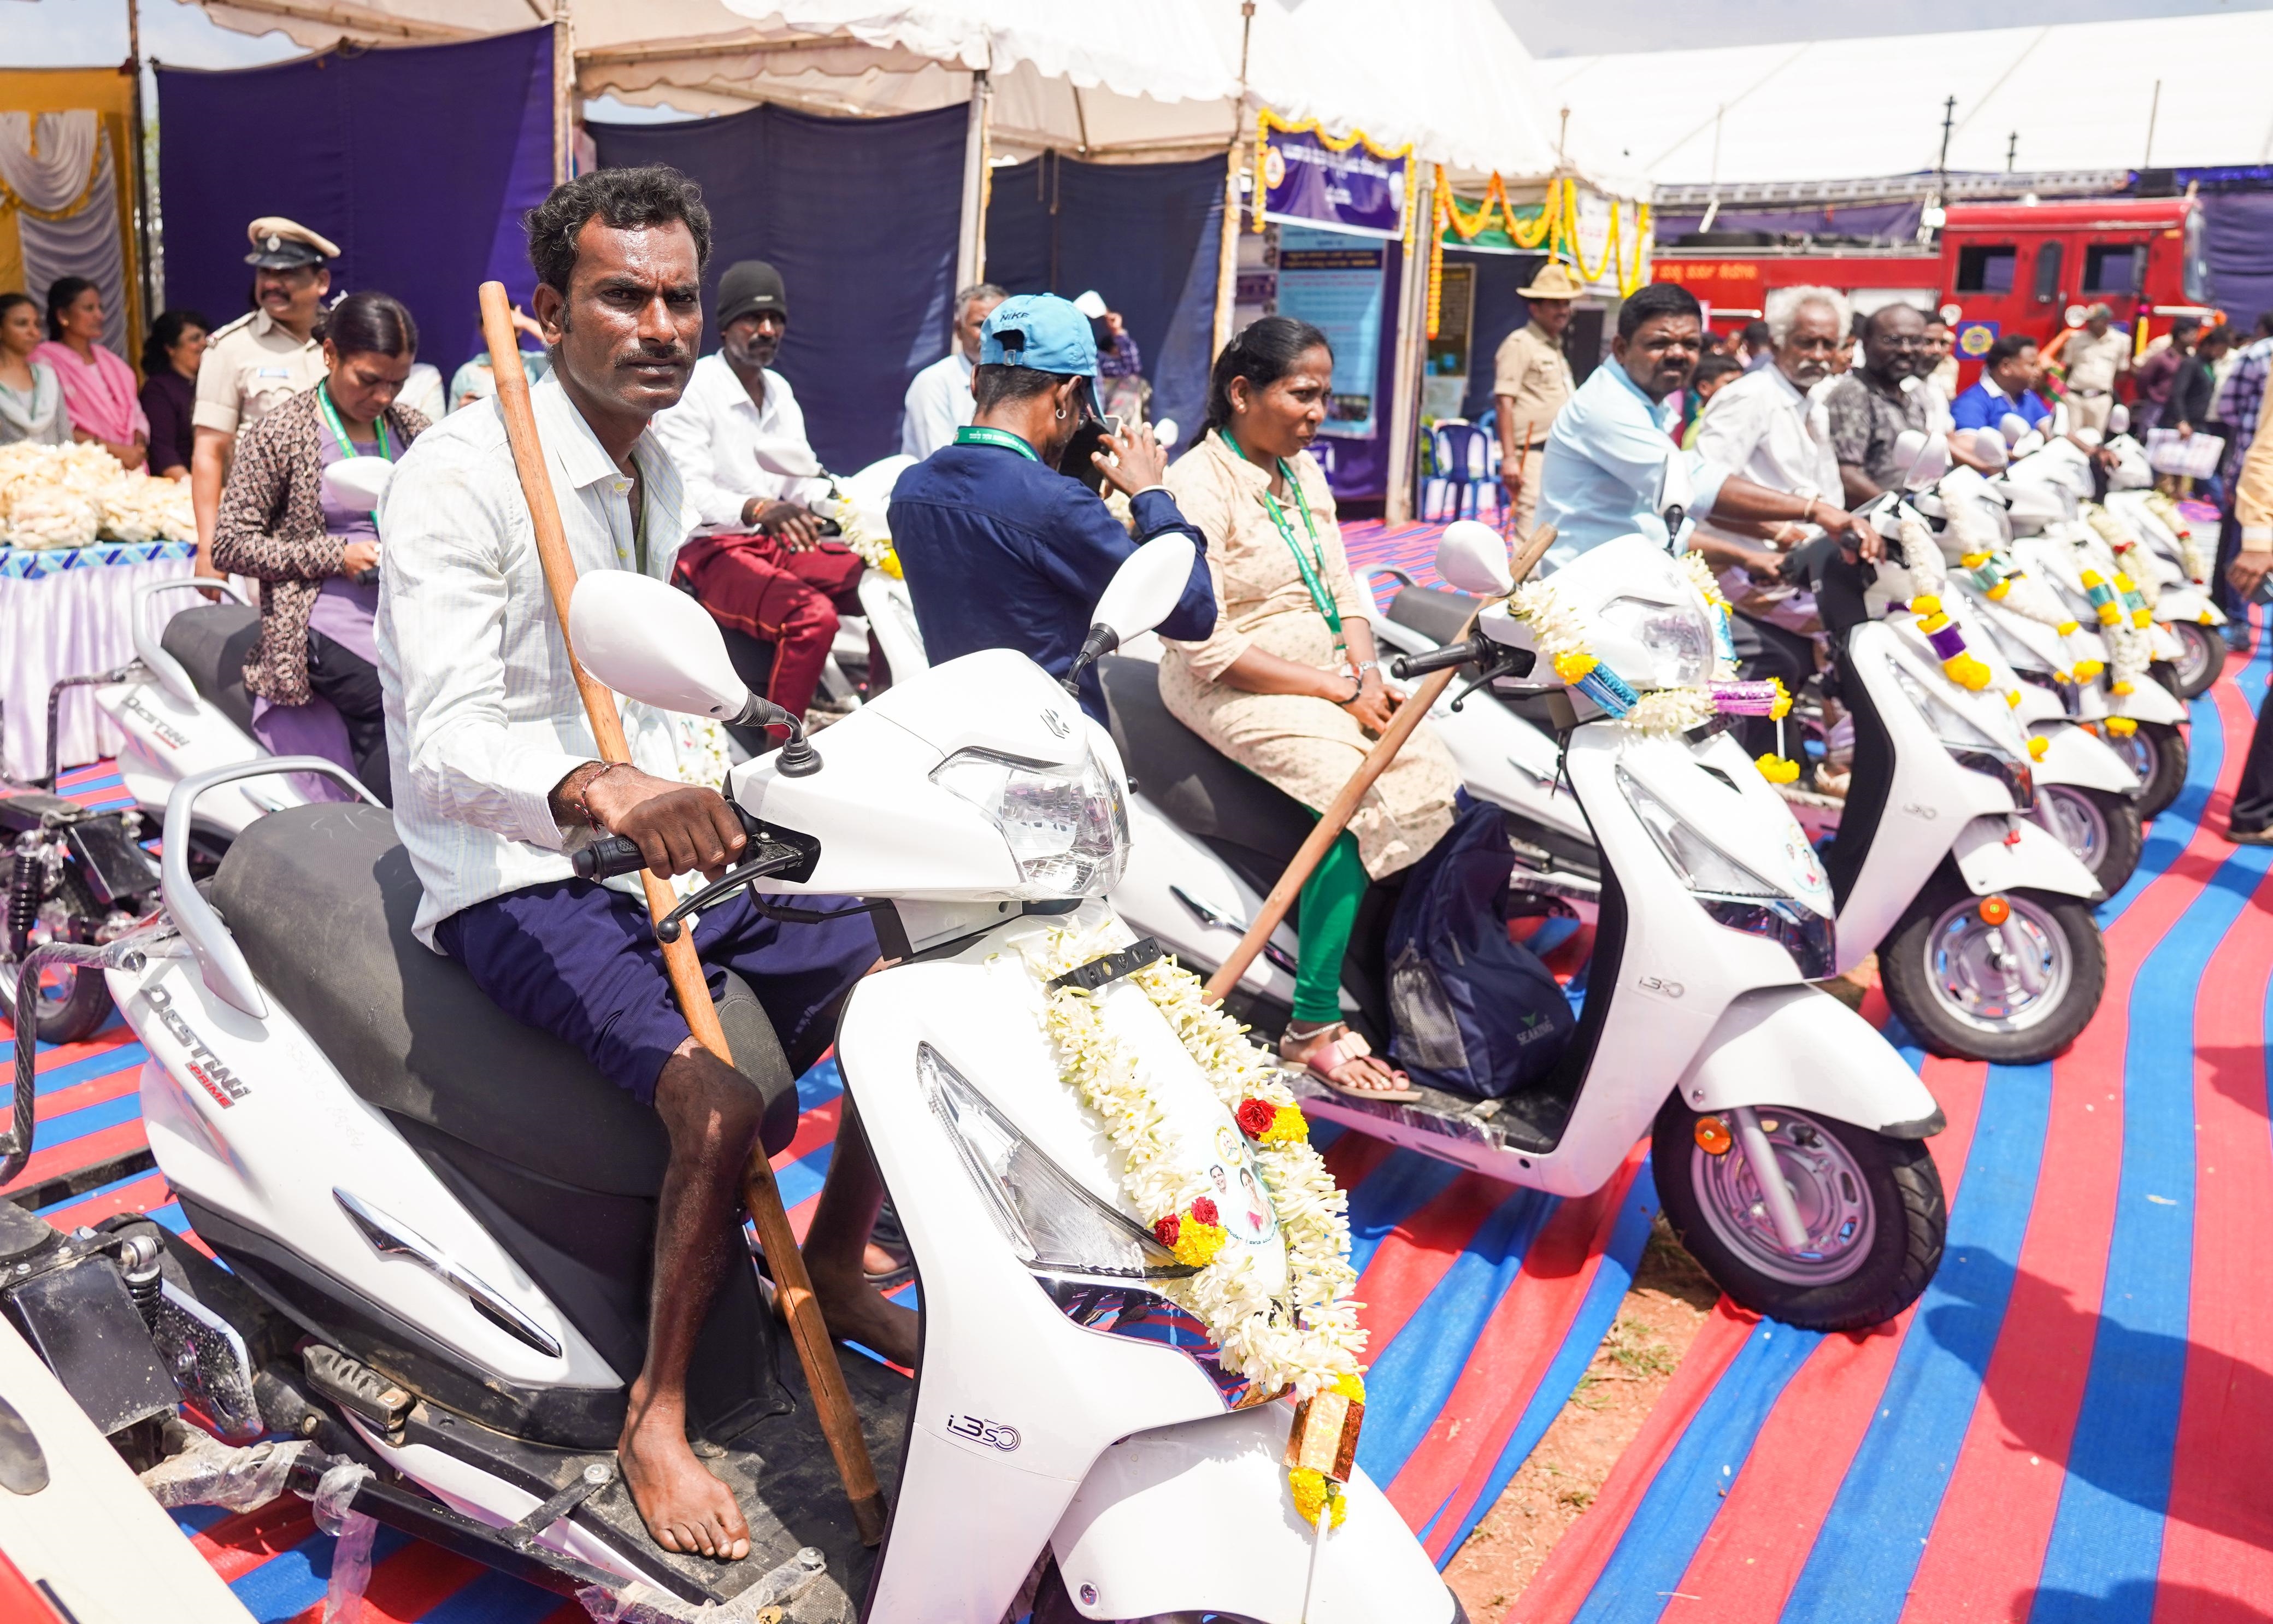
(1440,659)
(609,857)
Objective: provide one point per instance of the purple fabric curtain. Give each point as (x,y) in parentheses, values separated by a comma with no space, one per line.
(860,217)
(1889,221)
(2238,242)
(418,161)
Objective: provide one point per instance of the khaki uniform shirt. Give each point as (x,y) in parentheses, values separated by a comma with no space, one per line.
(1533,370)
(2092,363)
(251,367)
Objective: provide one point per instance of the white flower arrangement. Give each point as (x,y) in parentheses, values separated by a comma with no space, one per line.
(872,545)
(1665,710)
(70,496)
(1311,1340)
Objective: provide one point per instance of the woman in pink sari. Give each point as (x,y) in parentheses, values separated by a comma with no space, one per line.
(100,390)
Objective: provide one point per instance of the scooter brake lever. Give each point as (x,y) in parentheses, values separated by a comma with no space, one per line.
(1507,663)
(773,857)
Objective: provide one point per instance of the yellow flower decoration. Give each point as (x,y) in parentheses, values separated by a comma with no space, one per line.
(1570,667)
(1288,1126)
(1312,1490)
(1198,1243)
(1777,769)
(2037,747)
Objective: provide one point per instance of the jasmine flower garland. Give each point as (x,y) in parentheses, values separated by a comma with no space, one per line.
(1313,1342)
(871,547)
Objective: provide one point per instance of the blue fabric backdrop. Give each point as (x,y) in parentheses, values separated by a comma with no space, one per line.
(2238,242)
(1145,236)
(859,216)
(418,161)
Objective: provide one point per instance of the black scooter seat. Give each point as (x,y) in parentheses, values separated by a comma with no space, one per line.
(213,642)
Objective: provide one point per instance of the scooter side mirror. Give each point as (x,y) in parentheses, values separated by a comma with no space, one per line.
(1167,432)
(2014,427)
(791,459)
(1909,445)
(1677,492)
(1928,463)
(654,644)
(358,482)
(1472,556)
(1139,597)
(1990,447)
(2119,420)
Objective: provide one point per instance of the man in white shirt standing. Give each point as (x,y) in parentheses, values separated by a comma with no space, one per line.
(758,561)
(939,397)
(495,765)
(2092,360)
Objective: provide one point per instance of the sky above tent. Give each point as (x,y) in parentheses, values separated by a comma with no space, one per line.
(1557,28)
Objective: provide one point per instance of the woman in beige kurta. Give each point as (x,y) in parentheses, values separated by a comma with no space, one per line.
(1278,688)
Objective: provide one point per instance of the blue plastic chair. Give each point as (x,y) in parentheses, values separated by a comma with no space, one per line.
(1460,455)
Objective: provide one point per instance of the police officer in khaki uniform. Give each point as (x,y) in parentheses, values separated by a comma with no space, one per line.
(2091,358)
(259,361)
(1532,381)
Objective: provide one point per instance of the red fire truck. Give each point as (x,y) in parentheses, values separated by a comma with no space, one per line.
(1999,267)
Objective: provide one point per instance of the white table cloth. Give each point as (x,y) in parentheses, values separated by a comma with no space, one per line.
(64,613)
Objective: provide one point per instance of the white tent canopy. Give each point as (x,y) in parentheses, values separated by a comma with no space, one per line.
(2079,95)
(1157,80)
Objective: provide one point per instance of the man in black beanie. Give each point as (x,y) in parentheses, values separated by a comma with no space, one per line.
(757,560)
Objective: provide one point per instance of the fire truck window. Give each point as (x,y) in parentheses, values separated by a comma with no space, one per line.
(2112,267)
(1986,269)
(2048,273)
(2196,282)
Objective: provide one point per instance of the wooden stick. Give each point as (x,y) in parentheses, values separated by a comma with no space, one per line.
(832,1401)
(1344,806)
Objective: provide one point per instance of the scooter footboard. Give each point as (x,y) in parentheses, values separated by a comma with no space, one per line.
(1240,1546)
(1800,1048)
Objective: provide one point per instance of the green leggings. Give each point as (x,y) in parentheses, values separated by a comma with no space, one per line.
(1329,913)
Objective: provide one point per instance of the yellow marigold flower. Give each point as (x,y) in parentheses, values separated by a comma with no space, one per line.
(1570,667)
(1310,1491)
(2038,746)
(1925,604)
(1288,1126)
(890,563)
(1351,1386)
(1776,770)
(1197,1243)
(2066,627)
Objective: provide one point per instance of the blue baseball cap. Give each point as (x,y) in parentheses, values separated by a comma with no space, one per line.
(1041,331)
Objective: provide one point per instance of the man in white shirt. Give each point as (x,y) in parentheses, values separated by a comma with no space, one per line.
(939,397)
(495,765)
(758,561)
(2092,359)
(1771,426)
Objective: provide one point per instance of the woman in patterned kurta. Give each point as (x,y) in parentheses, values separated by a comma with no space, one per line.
(1288,685)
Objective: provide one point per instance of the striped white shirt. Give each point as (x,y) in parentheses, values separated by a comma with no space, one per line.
(482,717)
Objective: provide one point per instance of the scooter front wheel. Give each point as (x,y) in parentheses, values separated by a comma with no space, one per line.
(2099,826)
(72,1003)
(2202,657)
(2156,751)
(2009,978)
(1871,1208)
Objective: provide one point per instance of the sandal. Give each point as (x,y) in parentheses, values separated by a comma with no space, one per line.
(1334,1052)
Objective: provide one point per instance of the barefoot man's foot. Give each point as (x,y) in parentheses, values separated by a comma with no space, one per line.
(858,1313)
(685,1507)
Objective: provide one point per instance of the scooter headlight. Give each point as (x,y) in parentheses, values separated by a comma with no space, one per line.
(1052,1224)
(1951,726)
(1678,637)
(1732,895)
(1702,865)
(1067,827)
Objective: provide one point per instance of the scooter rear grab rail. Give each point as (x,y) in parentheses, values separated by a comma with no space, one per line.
(124,953)
(147,649)
(219,957)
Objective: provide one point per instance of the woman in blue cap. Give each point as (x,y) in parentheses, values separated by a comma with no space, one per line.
(1002,548)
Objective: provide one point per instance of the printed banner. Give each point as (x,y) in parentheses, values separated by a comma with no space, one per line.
(1335,283)
(1306,182)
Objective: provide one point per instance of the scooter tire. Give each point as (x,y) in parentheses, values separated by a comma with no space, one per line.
(2121,836)
(2166,773)
(2203,662)
(79,1014)
(1910,1224)
(1909,980)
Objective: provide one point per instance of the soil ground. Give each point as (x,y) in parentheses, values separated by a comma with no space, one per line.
(1656,1323)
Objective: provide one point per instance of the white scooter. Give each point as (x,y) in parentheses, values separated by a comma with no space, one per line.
(181,702)
(1711,914)
(436,1222)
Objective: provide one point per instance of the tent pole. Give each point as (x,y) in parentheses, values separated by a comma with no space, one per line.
(1226,266)
(1405,386)
(139,168)
(970,247)
(563,93)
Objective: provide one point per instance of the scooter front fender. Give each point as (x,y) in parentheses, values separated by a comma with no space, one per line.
(2148,701)
(2082,760)
(1993,860)
(2188,603)
(1777,1047)
(1240,1546)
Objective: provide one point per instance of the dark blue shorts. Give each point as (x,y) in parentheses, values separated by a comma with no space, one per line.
(580,961)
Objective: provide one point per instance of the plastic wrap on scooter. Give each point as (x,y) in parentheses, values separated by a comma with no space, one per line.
(334,1506)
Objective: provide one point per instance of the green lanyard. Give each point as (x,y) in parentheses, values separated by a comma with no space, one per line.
(979,434)
(339,432)
(1311,566)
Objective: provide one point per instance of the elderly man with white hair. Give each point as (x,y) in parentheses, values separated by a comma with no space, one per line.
(1769,426)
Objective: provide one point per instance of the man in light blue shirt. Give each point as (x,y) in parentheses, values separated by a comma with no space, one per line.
(1607,456)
